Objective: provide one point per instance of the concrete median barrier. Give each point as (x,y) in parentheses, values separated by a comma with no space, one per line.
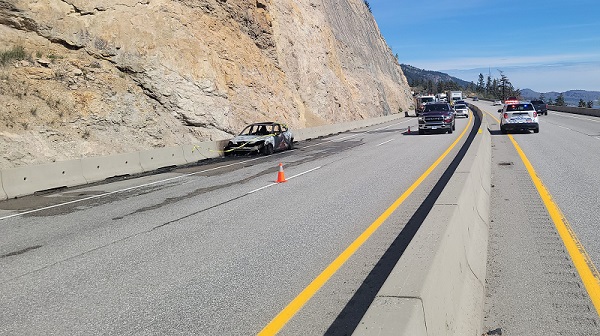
(23,181)
(28,180)
(102,167)
(3,195)
(325,130)
(437,287)
(576,110)
(204,150)
(153,159)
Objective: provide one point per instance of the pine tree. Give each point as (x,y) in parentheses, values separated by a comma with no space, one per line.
(480,84)
(560,100)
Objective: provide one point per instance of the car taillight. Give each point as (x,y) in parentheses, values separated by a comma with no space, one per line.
(534,114)
(505,115)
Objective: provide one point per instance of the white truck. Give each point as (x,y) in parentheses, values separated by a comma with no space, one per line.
(454,96)
(421,101)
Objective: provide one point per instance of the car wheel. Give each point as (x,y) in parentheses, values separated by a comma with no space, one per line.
(267,149)
(454,127)
(421,132)
(536,130)
(291,143)
(450,130)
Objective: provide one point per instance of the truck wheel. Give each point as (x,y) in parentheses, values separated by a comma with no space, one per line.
(450,130)
(421,132)
(536,130)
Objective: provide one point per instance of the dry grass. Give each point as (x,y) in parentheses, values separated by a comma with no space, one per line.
(17,53)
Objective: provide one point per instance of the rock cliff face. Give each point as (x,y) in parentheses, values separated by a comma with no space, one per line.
(82,78)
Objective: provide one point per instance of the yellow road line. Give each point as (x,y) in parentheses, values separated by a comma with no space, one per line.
(583,263)
(293,307)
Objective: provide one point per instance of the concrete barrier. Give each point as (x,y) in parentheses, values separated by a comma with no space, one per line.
(576,110)
(204,150)
(102,167)
(437,287)
(27,180)
(153,159)
(325,130)
(3,195)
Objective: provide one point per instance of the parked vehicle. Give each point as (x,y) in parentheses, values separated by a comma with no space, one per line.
(437,117)
(264,137)
(540,106)
(519,117)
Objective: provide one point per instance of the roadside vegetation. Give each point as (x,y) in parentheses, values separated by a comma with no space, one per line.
(496,88)
(17,53)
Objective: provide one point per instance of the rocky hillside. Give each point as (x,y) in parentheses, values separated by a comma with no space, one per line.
(82,78)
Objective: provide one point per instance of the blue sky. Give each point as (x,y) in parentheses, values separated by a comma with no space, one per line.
(541,45)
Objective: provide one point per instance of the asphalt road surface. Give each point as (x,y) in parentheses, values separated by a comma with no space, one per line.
(216,248)
(533,287)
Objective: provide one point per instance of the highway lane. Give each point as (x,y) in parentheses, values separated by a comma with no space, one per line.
(533,286)
(216,249)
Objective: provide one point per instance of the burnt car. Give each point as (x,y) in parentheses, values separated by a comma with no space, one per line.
(264,138)
(437,117)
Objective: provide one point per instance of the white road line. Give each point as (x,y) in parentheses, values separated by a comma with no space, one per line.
(127,189)
(383,143)
(171,179)
(576,117)
(564,127)
(289,178)
(357,134)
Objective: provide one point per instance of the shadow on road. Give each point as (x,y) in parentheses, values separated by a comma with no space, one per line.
(349,318)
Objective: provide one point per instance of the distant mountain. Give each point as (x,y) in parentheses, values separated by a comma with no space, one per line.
(572,97)
(419,75)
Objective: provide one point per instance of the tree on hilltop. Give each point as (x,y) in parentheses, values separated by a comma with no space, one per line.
(560,100)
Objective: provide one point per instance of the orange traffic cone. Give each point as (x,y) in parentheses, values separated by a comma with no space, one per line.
(280,174)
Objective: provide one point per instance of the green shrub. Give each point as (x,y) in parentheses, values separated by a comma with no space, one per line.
(16,53)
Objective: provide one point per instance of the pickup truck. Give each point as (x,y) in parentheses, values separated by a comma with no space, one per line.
(540,106)
(437,117)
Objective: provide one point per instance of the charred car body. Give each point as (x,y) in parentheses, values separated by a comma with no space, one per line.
(437,117)
(264,138)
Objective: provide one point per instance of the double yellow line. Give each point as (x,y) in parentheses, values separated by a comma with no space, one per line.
(585,267)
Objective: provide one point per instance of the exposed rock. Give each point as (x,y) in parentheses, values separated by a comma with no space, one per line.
(107,77)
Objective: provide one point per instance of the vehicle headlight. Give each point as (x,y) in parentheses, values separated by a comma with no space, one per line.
(420,118)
